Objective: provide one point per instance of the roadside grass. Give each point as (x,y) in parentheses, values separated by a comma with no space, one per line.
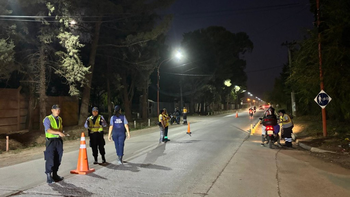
(338,133)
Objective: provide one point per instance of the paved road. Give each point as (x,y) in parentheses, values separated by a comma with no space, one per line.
(217,160)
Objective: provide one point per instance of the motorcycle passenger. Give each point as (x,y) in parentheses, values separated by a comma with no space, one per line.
(287,126)
(268,118)
(250,112)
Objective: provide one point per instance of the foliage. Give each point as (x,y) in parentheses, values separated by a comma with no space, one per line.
(305,74)
(216,52)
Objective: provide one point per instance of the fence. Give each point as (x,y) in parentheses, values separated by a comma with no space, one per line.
(14,107)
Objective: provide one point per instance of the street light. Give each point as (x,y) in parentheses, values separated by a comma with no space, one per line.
(177,55)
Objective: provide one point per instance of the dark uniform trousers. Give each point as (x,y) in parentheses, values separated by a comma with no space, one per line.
(97,142)
(53,154)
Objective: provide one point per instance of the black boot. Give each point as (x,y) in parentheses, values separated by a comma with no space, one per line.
(49,179)
(56,177)
(103,159)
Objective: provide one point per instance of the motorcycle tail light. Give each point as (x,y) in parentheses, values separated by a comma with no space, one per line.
(269,128)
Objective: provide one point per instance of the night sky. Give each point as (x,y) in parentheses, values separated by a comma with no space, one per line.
(268,23)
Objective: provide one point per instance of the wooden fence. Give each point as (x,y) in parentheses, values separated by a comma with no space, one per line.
(14,111)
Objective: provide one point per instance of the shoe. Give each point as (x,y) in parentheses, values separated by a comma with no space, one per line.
(120,160)
(56,178)
(262,144)
(49,179)
(95,162)
(104,161)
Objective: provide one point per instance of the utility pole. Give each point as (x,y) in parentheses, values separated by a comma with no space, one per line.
(324,121)
(292,95)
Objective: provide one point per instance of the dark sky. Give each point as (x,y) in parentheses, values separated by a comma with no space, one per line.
(268,23)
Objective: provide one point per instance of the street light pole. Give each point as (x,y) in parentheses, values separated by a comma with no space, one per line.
(158,78)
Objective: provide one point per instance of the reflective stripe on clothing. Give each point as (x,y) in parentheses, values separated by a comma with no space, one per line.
(55,123)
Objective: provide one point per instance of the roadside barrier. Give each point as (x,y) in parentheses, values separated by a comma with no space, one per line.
(188,129)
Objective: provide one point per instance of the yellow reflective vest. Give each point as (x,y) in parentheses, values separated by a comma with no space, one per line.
(95,127)
(53,124)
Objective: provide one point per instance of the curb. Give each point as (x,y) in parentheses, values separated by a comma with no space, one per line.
(312,149)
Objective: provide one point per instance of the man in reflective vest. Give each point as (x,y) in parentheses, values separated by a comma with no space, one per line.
(54,144)
(184,115)
(95,124)
(287,125)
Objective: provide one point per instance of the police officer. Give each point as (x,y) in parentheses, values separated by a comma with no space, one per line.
(54,144)
(287,126)
(166,119)
(117,128)
(95,124)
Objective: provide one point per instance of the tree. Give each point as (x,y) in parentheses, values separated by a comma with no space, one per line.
(216,52)
(335,43)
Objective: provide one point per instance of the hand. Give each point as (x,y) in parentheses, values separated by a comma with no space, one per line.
(128,136)
(109,138)
(61,134)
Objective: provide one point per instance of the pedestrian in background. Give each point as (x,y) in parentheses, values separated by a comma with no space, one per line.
(118,127)
(161,124)
(166,119)
(54,144)
(177,115)
(184,115)
(287,126)
(95,124)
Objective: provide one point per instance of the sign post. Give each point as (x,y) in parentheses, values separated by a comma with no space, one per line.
(322,99)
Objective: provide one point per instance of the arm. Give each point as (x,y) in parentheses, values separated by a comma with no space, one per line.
(127,131)
(110,133)
(103,122)
(110,129)
(86,125)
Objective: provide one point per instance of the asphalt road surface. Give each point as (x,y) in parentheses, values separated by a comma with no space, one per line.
(221,158)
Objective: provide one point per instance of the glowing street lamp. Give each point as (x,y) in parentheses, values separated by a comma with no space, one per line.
(177,55)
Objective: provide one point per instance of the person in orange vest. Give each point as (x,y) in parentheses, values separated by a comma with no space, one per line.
(54,144)
(95,124)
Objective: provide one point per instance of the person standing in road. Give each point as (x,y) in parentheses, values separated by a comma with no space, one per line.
(54,144)
(161,124)
(166,122)
(184,115)
(95,124)
(287,126)
(118,127)
(177,114)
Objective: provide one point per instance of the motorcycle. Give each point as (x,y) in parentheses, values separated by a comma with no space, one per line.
(271,129)
(173,119)
(271,135)
(251,113)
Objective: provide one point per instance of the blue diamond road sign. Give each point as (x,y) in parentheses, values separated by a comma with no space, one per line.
(322,99)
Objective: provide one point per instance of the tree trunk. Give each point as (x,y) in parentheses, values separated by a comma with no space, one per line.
(84,108)
(145,102)
(30,107)
(128,94)
(109,104)
(42,87)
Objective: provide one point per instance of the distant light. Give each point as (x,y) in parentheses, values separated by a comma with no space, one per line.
(178,55)
(73,22)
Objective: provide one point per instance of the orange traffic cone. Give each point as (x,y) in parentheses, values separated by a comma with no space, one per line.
(83,165)
(188,129)
(236,114)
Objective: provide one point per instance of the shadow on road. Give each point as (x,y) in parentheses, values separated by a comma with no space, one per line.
(68,189)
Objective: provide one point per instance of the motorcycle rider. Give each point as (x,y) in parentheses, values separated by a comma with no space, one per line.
(269,114)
